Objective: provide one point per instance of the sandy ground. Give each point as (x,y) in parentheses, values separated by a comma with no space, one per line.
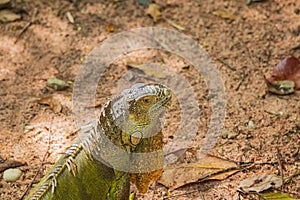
(251,38)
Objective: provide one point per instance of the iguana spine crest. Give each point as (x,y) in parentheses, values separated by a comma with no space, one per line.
(71,153)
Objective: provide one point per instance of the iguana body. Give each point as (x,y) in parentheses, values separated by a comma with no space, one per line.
(97,166)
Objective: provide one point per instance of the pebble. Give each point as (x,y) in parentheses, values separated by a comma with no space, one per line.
(251,124)
(11,175)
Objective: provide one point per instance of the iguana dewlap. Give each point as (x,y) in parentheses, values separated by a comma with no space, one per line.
(99,164)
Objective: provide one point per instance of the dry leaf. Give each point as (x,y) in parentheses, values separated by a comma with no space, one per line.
(4,4)
(281,87)
(149,70)
(51,101)
(10,164)
(154,11)
(260,183)
(8,16)
(226,15)
(276,196)
(110,28)
(205,169)
(287,70)
(57,84)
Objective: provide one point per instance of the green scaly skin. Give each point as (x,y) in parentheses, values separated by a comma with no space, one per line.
(86,170)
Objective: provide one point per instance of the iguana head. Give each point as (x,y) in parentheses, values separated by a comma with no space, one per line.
(137,111)
(125,122)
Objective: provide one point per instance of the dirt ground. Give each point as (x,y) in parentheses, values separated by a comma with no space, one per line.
(251,38)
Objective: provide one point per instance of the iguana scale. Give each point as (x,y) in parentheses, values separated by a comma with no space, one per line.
(91,168)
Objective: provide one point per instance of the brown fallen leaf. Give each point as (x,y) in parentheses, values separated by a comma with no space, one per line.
(51,101)
(287,70)
(10,164)
(207,168)
(4,3)
(260,183)
(154,11)
(149,70)
(8,16)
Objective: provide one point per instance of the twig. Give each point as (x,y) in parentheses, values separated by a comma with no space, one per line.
(241,81)
(173,24)
(35,11)
(39,169)
(238,168)
(296,47)
(288,179)
(271,113)
(224,62)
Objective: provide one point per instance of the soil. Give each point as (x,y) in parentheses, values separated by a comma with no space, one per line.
(252,39)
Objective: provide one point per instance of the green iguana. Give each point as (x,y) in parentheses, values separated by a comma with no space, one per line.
(100,165)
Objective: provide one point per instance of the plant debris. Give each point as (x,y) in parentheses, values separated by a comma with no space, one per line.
(285,77)
(154,11)
(276,196)
(57,84)
(208,168)
(8,16)
(4,4)
(10,164)
(51,101)
(260,183)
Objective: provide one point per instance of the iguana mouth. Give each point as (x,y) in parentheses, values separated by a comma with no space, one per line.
(165,94)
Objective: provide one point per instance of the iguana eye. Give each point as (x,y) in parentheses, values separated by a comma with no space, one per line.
(146,100)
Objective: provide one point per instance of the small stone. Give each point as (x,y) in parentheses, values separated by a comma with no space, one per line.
(11,175)
(251,124)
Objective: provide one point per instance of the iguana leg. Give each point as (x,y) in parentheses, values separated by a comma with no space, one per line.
(120,188)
